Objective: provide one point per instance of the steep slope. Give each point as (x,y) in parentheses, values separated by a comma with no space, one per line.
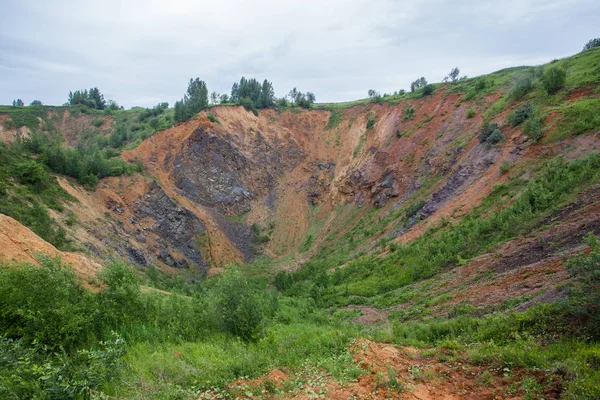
(302,174)
(290,183)
(20,244)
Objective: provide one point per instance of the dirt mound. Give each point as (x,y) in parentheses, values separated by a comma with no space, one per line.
(18,243)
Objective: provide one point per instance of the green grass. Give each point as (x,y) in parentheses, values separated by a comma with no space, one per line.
(25,116)
(171,343)
(336,116)
(27,198)
(578,118)
(583,69)
(510,210)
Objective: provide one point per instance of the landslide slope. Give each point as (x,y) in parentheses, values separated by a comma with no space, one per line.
(301,180)
(342,178)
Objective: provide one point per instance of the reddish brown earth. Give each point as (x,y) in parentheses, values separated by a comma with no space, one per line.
(289,173)
(392,372)
(20,244)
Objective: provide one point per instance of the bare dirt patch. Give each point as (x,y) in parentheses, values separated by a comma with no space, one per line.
(399,373)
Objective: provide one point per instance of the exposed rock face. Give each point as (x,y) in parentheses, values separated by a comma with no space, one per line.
(319,181)
(215,173)
(379,191)
(385,190)
(177,226)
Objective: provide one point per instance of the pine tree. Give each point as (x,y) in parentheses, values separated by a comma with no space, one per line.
(267,95)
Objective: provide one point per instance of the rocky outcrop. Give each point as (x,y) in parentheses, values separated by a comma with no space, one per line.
(176,227)
(215,173)
(319,181)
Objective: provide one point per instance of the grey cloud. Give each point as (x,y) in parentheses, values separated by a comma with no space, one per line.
(142,52)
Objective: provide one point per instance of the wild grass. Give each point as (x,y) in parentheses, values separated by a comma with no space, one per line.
(519,206)
(225,329)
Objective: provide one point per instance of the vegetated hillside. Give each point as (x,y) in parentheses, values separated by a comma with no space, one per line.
(460,222)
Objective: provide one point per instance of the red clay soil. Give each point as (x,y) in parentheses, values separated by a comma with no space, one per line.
(392,372)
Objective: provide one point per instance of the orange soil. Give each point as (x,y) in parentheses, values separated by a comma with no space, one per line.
(417,377)
(20,244)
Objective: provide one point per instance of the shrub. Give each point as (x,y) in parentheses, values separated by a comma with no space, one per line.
(240,307)
(371,123)
(212,117)
(470,112)
(495,137)
(247,103)
(554,79)
(97,122)
(9,124)
(408,113)
(120,302)
(534,126)
(585,295)
(154,123)
(505,166)
(45,304)
(491,133)
(522,85)
(521,114)
(29,171)
(44,375)
(592,44)
(428,90)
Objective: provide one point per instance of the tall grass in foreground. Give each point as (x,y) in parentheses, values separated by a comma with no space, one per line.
(59,340)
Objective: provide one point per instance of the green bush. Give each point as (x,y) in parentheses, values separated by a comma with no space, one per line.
(585,294)
(470,112)
(490,133)
(29,171)
(554,79)
(593,43)
(534,126)
(522,85)
(371,123)
(45,305)
(212,117)
(8,124)
(120,303)
(521,114)
(241,308)
(428,90)
(408,113)
(34,373)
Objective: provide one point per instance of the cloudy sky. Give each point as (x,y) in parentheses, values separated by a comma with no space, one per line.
(141,52)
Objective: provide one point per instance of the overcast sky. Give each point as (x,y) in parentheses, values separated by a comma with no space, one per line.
(142,52)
